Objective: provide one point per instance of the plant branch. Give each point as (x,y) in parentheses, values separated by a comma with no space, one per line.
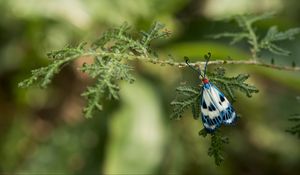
(196,64)
(269,42)
(244,62)
(252,40)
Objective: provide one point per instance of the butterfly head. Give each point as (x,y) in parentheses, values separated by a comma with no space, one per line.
(205,80)
(201,76)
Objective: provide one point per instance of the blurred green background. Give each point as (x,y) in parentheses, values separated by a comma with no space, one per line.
(42,131)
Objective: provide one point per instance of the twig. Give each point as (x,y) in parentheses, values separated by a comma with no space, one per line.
(196,64)
(223,62)
(243,62)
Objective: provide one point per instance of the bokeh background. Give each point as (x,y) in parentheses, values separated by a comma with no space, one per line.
(42,131)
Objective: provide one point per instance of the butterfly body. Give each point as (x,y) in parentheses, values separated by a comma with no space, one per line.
(215,108)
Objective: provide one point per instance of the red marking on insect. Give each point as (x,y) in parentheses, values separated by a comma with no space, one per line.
(205,80)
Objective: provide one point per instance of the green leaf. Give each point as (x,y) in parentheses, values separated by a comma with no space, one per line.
(231,84)
(186,97)
(44,75)
(111,53)
(248,32)
(155,32)
(203,133)
(295,130)
(216,149)
(196,109)
(93,95)
(273,35)
(107,73)
(236,37)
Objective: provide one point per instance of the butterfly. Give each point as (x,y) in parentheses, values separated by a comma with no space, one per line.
(215,108)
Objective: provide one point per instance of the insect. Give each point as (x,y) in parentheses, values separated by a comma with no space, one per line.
(215,108)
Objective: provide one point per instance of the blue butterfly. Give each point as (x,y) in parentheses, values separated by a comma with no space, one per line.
(215,108)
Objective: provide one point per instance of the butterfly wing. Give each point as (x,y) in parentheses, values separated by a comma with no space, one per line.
(227,112)
(215,108)
(211,117)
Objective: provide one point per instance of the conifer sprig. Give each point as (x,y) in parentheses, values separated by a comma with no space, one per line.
(231,84)
(216,148)
(257,43)
(111,53)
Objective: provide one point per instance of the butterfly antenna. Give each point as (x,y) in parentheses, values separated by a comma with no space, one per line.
(198,71)
(207,57)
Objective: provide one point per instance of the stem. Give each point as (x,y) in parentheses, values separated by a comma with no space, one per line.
(243,62)
(253,39)
(183,64)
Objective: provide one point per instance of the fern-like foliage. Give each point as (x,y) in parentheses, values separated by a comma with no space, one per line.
(230,84)
(295,129)
(43,76)
(216,149)
(268,42)
(111,54)
(187,96)
(273,35)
